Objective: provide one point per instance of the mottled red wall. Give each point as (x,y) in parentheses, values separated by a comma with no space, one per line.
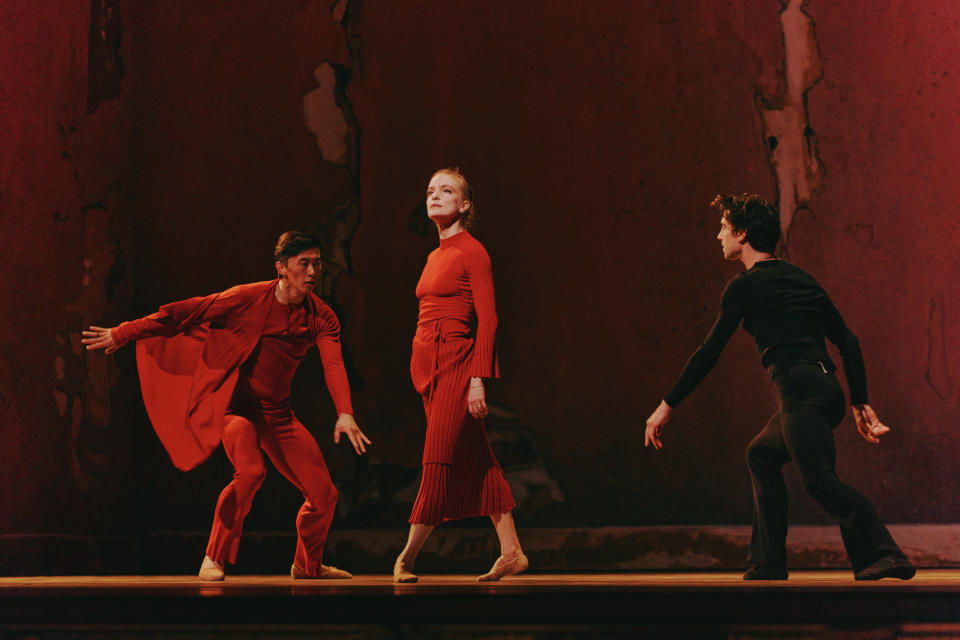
(592,159)
(595,135)
(885,233)
(63,197)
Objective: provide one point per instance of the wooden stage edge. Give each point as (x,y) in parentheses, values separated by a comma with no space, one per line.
(38,586)
(703,604)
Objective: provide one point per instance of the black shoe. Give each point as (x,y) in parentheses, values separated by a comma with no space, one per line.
(887,567)
(759,572)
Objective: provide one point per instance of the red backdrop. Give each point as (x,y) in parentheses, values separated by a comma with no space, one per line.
(595,136)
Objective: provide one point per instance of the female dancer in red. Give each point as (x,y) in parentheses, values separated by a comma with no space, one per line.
(453,351)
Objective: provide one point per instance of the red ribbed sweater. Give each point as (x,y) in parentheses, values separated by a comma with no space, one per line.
(457,285)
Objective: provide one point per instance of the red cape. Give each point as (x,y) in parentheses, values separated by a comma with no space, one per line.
(188,375)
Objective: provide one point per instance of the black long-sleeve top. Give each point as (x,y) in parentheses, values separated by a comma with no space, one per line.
(788,314)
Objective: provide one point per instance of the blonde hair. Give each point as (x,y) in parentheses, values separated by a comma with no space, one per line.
(469,217)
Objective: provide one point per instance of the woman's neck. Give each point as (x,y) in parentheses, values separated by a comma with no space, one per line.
(450,230)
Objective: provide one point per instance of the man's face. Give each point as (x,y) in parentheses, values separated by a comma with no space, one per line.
(729,240)
(301,271)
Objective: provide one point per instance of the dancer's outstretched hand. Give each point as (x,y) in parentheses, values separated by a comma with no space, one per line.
(99,338)
(346,424)
(868,424)
(655,425)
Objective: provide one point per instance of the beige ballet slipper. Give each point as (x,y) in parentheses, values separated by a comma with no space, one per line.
(401,574)
(211,570)
(504,567)
(326,573)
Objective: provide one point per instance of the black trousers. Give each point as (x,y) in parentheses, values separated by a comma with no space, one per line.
(812,404)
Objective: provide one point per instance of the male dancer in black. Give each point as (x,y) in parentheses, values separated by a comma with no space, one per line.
(788,314)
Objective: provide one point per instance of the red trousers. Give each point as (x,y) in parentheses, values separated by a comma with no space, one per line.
(295,454)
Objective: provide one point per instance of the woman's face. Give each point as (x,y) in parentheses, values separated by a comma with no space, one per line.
(445,203)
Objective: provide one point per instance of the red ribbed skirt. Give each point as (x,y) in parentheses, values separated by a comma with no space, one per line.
(461,476)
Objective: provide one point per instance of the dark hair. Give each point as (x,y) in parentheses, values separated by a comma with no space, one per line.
(751,213)
(292,243)
(469,217)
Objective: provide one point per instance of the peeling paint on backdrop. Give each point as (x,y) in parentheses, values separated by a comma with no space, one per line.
(938,359)
(790,140)
(339,10)
(325,118)
(329,116)
(83,381)
(105,67)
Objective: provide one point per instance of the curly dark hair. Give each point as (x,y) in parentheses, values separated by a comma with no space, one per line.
(292,243)
(751,213)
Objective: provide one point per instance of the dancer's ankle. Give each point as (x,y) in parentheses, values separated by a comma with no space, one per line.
(511,553)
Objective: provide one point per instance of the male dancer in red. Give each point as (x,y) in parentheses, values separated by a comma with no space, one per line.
(789,314)
(218,369)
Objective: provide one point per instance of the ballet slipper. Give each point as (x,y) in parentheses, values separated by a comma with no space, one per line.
(326,573)
(211,570)
(401,574)
(504,567)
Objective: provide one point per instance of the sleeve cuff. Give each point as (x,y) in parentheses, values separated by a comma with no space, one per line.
(121,334)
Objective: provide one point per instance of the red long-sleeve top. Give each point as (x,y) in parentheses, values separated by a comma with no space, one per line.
(457,285)
(267,372)
(193,354)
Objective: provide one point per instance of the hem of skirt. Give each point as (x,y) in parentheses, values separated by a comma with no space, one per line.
(511,507)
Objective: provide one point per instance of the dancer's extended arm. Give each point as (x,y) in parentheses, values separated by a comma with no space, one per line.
(732,307)
(836,330)
(335,376)
(173,318)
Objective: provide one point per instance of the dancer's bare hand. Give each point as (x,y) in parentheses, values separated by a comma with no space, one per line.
(655,425)
(347,425)
(477,399)
(868,424)
(99,338)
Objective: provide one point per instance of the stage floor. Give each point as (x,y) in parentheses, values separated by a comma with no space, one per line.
(937,579)
(810,604)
